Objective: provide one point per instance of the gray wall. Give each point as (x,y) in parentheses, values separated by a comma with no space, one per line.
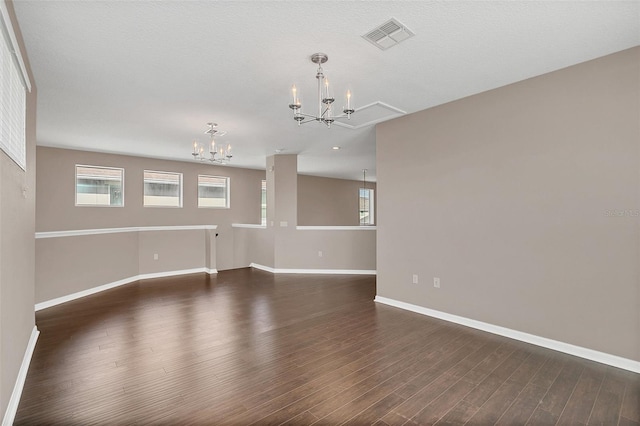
(71,264)
(17,224)
(254,246)
(321,201)
(56,208)
(329,202)
(281,246)
(524,201)
(68,265)
(341,249)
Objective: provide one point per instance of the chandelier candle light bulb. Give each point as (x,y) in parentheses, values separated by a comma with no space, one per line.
(327,96)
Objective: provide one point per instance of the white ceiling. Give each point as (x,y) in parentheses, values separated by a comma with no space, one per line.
(144,78)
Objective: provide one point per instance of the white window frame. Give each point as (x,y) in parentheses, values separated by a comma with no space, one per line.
(227,192)
(263,188)
(14,83)
(181,194)
(97,167)
(372,207)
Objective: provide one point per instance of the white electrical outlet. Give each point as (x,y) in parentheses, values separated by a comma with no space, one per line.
(415,278)
(320,253)
(436,282)
(155,256)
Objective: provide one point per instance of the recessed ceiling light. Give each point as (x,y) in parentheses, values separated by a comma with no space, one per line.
(279,150)
(335,148)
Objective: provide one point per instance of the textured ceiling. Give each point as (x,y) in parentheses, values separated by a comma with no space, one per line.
(144,78)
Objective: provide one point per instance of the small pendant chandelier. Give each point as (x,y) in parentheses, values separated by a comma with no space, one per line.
(217,152)
(325,100)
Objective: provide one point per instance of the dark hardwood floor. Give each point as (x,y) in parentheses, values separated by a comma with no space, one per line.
(248,347)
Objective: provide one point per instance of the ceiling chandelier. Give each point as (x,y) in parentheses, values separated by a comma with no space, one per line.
(217,152)
(325,100)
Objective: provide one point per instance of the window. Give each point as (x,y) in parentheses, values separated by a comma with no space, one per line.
(263,204)
(213,191)
(366,206)
(99,186)
(12,106)
(162,189)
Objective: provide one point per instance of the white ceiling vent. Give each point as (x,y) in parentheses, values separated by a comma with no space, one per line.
(388,34)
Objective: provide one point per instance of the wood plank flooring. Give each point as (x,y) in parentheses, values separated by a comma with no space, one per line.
(248,347)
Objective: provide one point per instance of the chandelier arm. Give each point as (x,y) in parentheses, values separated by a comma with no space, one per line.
(311,120)
(307,115)
(328,109)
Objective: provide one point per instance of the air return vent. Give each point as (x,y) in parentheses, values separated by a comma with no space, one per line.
(388,34)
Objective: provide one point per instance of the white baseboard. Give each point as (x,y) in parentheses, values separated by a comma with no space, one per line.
(579,351)
(313,271)
(83,293)
(170,273)
(262,267)
(12,407)
(94,290)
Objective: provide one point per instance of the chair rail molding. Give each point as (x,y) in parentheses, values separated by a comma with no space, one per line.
(79,232)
